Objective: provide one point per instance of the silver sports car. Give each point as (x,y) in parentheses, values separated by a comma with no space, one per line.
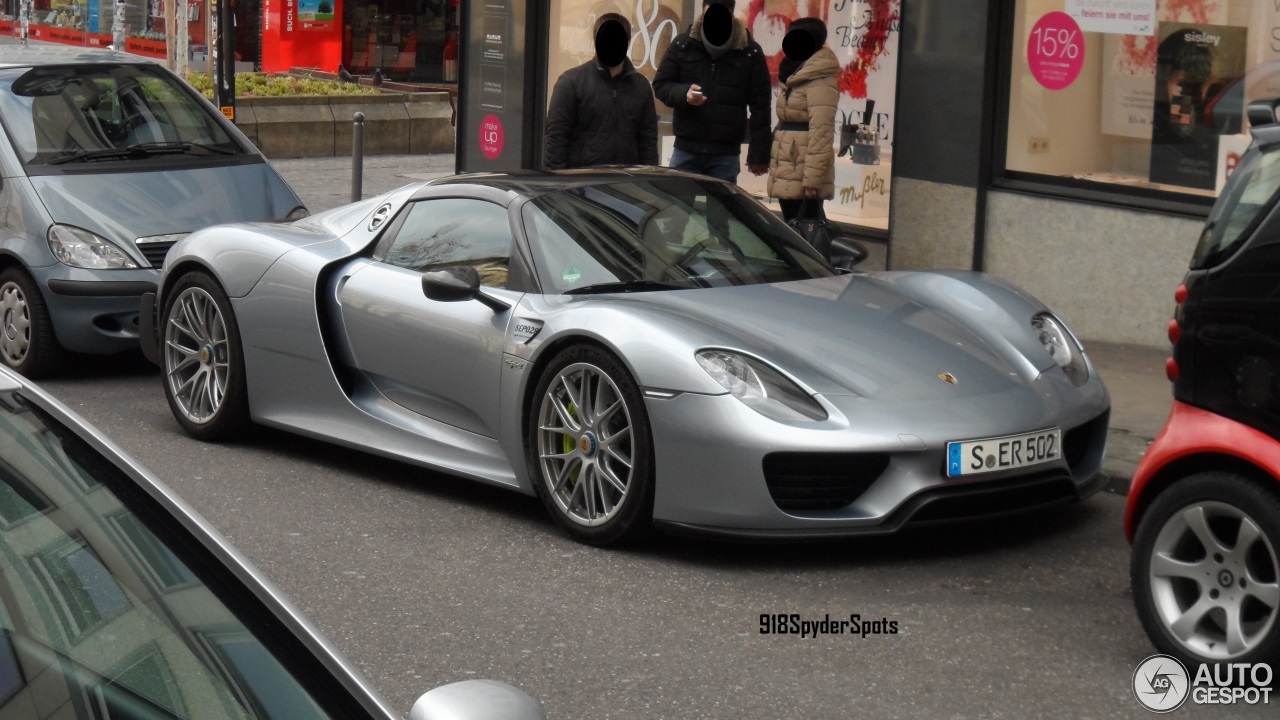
(634,347)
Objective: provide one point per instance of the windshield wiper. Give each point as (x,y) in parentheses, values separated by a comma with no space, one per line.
(142,150)
(626,286)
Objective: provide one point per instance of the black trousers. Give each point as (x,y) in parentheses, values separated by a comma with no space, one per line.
(792,208)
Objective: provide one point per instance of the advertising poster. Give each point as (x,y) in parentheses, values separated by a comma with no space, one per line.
(315,14)
(491,135)
(1124,17)
(1129,65)
(1198,98)
(863,34)
(654,24)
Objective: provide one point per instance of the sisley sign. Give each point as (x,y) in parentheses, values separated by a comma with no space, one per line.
(1120,17)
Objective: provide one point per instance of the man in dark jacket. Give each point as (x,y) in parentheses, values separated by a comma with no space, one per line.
(602,112)
(710,76)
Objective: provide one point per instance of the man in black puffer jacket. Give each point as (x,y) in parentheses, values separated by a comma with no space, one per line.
(602,111)
(710,76)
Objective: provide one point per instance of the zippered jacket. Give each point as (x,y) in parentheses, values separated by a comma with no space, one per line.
(595,119)
(733,83)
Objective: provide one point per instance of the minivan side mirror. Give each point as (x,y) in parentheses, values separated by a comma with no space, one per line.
(457,283)
(845,253)
(476,700)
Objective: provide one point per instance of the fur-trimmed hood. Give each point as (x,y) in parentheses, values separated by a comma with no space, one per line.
(740,35)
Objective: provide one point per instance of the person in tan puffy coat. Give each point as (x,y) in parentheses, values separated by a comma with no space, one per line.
(802,163)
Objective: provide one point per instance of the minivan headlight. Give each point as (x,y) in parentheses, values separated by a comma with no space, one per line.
(82,249)
(759,386)
(1062,346)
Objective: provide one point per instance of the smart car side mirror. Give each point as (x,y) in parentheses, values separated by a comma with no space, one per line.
(476,700)
(457,283)
(845,253)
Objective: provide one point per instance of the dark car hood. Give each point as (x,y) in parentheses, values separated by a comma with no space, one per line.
(883,335)
(125,206)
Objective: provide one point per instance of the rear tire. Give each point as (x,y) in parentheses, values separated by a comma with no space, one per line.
(1205,570)
(202,360)
(590,449)
(27,342)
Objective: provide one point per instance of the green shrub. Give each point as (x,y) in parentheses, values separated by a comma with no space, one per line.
(262,85)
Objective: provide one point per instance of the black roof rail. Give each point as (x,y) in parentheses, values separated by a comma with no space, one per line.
(1262,113)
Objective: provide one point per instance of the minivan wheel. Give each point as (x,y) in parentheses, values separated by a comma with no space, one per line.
(202,360)
(27,342)
(1206,570)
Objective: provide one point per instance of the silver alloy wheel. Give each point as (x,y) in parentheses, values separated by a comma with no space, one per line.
(585,444)
(196,355)
(15,335)
(1204,575)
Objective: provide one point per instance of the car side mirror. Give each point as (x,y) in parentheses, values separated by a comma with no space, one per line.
(845,253)
(476,700)
(457,283)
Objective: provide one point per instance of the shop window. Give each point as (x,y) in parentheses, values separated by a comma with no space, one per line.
(1138,96)
(863,34)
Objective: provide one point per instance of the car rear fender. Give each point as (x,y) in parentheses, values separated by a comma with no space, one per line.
(1193,440)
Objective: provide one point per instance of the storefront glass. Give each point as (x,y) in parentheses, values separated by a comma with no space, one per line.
(1145,94)
(408,40)
(863,34)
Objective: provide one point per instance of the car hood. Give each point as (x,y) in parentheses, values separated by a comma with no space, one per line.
(878,335)
(125,206)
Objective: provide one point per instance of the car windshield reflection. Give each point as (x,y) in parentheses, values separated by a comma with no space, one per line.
(97,113)
(99,615)
(661,234)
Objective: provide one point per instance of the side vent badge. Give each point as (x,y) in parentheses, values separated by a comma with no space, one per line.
(525,330)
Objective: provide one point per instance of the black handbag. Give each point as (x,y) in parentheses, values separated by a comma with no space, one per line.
(812,225)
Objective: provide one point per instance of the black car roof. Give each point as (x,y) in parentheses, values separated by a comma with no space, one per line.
(531,183)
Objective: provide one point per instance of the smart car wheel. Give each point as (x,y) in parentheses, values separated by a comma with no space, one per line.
(1205,570)
(202,360)
(27,342)
(592,449)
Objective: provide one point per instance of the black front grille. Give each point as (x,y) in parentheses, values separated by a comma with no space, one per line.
(820,481)
(1076,441)
(155,251)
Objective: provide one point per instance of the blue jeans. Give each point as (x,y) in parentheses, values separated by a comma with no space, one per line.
(724,167)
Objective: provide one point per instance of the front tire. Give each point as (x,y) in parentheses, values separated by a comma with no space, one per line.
(1206,573)
(591,450)
(202,360)
(27,342)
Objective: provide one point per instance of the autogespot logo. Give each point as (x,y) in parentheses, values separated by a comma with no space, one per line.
(1161,683)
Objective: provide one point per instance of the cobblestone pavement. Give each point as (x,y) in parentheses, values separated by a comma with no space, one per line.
(325,182)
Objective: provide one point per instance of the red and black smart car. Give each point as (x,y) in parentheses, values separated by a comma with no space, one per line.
(1204,508)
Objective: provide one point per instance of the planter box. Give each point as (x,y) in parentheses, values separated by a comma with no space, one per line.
(321,126)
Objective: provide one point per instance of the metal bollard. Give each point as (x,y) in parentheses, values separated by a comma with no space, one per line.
(357,157)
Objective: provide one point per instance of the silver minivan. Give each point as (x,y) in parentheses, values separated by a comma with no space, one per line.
(106,160)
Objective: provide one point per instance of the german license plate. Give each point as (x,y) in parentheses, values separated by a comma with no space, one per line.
(972,457)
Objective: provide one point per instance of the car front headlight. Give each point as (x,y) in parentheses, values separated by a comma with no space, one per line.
(82,249)
(1062,346)
(759,386)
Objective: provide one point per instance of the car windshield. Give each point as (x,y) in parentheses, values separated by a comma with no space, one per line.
(100,617)
(661,233)
(96,113)
(1252,190)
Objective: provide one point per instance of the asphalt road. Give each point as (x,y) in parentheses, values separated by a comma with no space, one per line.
(423,579)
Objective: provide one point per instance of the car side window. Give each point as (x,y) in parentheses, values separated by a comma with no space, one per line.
(454,231)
